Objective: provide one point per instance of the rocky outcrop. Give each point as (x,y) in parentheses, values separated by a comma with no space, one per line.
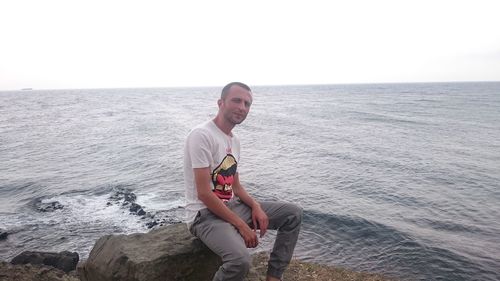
(166,253)
(3,234)
(123,196)
(136,209)
(65,261)
(164,217)
(29,272)
(48,207)
(126,199)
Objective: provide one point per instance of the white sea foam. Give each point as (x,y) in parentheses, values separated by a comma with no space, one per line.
(94,211)
(154,202)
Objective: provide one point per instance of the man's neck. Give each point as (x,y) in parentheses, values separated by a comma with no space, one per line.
(223,126)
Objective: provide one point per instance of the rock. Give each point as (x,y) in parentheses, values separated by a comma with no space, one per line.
(129,197)
(28,272)
(151,224)
(163,217)
(137,209)
(166,253)
(126,199)
(161,222)
(49,207)
(65,261)
(3,234)
(123,195)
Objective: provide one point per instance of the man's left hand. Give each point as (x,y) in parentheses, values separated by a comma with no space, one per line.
(260,220)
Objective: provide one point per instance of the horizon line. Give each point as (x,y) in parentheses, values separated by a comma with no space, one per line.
(254,85)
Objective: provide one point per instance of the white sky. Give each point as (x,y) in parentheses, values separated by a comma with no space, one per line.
(106,44)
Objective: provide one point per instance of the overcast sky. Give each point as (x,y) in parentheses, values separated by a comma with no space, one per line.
(106,44)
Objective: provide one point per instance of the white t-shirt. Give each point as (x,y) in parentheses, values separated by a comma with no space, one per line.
(208,146)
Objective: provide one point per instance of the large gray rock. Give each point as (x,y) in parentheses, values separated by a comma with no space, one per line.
(166,253)
(65,261)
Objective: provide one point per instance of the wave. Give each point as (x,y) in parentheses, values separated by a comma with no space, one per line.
(384,118)
(447,225)
(15,188)
(14,195)
(361,244)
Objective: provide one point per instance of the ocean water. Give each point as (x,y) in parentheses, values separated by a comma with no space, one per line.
(402,179)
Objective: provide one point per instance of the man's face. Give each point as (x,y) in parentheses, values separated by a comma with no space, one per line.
(236,105)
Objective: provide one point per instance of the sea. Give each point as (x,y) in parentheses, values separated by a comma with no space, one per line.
(400,179)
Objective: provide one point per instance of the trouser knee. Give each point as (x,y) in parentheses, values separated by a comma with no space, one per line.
(295,212)
(239,264)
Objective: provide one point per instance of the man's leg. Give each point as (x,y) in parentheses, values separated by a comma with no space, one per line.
(286,218)
(224,240)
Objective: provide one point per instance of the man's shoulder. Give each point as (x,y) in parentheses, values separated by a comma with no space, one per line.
(204,126)
(202,130)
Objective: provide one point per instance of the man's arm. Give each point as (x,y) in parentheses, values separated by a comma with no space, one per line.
(259,217)
(216,206)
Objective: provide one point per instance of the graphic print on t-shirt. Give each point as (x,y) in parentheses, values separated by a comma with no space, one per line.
(223,177)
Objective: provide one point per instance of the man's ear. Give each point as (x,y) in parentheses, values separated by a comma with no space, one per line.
(219,102)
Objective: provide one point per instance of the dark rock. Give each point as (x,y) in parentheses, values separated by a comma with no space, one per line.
(28,272)
(162,222)
(135,207)
(3,234)
(124,195)
(49,207)
(65,261)
(164,217)
(149,215)
(126,199)
(166,253)
(130,197)
(151,224)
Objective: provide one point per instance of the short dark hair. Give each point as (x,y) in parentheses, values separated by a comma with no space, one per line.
(226,88)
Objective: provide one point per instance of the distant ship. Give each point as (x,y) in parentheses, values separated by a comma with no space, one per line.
(26,89)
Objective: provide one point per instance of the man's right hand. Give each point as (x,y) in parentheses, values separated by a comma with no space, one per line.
(249,235)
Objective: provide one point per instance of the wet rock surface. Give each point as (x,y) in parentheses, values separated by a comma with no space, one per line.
(48,207)
(163,218)
(126,199)
(65,261)
(123,196)
(3,234)
(136,209)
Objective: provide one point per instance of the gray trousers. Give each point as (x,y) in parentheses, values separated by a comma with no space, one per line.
(224,239)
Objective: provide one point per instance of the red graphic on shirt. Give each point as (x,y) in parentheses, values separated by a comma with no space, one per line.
(223,177)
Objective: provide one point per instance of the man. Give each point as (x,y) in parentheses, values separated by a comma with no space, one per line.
(219,210)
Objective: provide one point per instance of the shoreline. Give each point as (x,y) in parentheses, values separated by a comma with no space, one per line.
(297,271)
(305,271)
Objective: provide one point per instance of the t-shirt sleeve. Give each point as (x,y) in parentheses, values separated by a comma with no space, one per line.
(198,147)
